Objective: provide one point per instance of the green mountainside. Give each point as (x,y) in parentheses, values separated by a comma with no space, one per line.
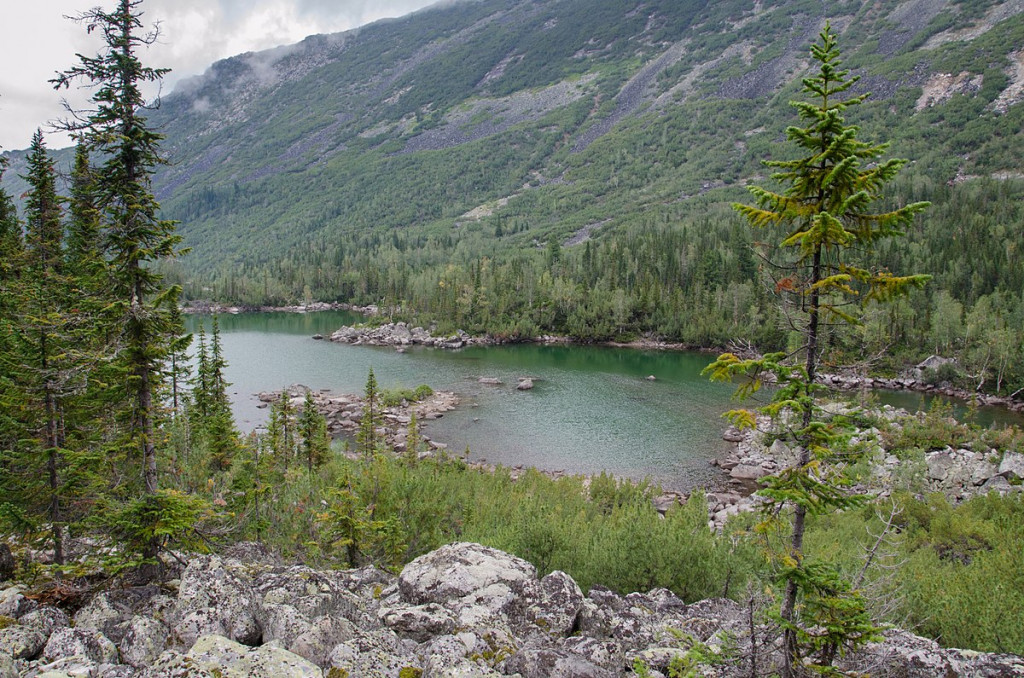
(518,166)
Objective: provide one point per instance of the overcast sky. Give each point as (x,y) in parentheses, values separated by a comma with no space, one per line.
(37,41)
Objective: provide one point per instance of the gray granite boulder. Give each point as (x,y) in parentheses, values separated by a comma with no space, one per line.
(110,612)
(144,641)
(419,622)
(216,596)
(75,642)
(215,656)
(1012,465)
(14,604)
(46,620)
(459,570)
(539,660)
(21,642)
(550,605)
(8,667)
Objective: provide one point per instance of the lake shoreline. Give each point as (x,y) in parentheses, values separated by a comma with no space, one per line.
(400,335)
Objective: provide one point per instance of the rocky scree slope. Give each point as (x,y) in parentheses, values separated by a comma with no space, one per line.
(463,610)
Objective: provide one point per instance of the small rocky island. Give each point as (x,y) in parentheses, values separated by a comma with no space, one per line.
(400,335)
(344,412)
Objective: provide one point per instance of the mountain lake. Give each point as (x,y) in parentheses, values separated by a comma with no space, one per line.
(592,408)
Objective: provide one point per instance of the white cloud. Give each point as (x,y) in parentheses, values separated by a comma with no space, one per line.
(38,42)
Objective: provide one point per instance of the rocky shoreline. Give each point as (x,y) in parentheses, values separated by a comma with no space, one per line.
(207,307)
(958,473)
(401,335)
(857,383)
(462,611)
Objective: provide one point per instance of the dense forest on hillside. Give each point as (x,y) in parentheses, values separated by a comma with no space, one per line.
(520,168)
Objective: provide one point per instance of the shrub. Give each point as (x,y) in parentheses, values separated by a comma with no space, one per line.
(393,397)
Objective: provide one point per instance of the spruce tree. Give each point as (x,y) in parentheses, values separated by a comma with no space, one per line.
(312,426)
(10,252)
(281,429)
(826,209)
(83,247)
(366,436)
(11,243)
(44,325)
(210,415)
(141,315)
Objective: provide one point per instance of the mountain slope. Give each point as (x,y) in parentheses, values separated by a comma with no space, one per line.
(518,92)
(443,159)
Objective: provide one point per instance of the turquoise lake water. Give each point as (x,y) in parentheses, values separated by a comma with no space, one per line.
(592,408)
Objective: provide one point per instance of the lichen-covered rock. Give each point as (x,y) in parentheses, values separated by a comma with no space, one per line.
(116,671)
(106,615)
(1012,465)
(911,656)
(458,570)
(465,669)
(216,596)
(604,653)
(657,658)
(350,659)
(14,604)
(76,642)
(76,666)
(21,642)
(986,665)
(443,652)
(904,654)
(228,659)
(46,620)
(110,612)
(8,667)
(310,592)
(173,664)
(419,622)
(545,661)
(316,643)
(144,641)
(283,623)
(550,605)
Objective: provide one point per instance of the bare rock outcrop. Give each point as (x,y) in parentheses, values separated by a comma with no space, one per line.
(462,610)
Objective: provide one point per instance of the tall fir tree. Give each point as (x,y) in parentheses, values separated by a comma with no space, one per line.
(141,316)
(11,243)
(281,429)
(827,211)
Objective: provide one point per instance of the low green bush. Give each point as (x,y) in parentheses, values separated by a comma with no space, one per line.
(392,397)
(953,573)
